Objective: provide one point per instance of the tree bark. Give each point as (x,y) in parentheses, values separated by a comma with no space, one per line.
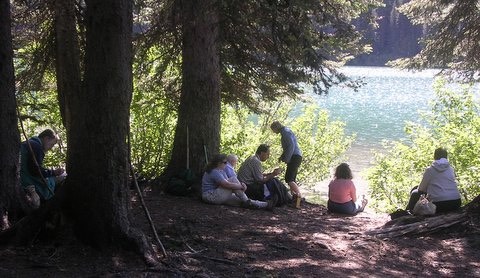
(10,138)
(67,57)
(97,163)
(200,102)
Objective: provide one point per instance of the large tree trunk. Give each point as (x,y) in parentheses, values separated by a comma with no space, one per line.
(199,108)
(10,138)
(67,56)
(97,163)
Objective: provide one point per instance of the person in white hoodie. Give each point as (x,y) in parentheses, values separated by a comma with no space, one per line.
(439,183)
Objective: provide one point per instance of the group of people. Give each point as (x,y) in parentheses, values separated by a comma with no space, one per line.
(438,185)
(251,187)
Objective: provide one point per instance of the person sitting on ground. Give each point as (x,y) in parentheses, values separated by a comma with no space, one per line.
(32,171)
(439,184)
(232,161)
(342,195)
(262,186)
(216,189)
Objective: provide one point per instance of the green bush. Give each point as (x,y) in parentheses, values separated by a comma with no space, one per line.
(452,123)
(322,141)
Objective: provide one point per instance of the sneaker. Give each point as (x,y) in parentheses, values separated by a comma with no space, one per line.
(250,205)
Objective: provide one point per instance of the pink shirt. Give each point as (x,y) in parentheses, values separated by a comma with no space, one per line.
(341,191)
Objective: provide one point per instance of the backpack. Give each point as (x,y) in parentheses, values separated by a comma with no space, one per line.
(180,184)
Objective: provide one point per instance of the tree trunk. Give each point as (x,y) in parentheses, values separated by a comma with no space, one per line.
(67,56)
(199,108)
(97,163)
(10,138)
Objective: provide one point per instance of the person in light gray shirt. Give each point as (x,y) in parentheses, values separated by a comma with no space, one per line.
(439,183)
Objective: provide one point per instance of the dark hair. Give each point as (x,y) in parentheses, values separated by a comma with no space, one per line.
(47,133)
(213,163)
(343,172)
(263,148)
(276,125)
(440,153)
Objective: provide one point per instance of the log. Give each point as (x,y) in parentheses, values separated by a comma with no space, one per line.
(421,226)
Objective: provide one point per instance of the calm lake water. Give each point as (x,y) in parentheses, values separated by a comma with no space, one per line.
(379,109)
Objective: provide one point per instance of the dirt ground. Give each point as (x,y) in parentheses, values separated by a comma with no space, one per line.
(219,241)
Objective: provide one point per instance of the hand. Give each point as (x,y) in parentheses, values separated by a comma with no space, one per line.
(277,171)
(58,171)
(244,186)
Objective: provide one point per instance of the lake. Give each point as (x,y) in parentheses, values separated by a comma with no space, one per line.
(379,109)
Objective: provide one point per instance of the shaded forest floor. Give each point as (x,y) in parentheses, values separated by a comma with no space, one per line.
(219,241)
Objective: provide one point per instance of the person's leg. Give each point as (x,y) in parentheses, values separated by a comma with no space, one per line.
(218,196)
(446,206)
(414,197)
(345,208)
(360,205)
(255,191)
(240,195)
(291,174)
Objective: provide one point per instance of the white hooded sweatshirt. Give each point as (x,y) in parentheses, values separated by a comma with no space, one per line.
(439,182)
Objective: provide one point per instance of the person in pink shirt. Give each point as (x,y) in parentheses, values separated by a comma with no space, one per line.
(342,196)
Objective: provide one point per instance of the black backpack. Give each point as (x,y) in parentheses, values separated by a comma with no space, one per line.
(180,184)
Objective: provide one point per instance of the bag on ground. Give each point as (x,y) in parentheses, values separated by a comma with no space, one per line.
(424,206)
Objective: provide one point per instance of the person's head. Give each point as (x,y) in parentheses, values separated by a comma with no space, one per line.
(343,172)
(276,126)
(232,159)
(263,152)
(217,161)
(48,138)
(440,153)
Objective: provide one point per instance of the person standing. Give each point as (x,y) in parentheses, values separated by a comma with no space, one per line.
(32,171)
(291,155)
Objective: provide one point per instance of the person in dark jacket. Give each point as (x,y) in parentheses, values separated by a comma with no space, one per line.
(32,171)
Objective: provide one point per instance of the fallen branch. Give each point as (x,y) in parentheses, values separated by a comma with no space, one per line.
(425,226)
(225,261)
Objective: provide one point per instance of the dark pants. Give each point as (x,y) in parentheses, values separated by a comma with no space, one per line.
(442,206)
(255,191)
(345,208)
(292,168)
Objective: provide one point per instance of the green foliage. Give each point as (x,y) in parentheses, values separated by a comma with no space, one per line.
(452,38)
(322,141)
(39,110)
(453,123)
(152,126)
(266,48)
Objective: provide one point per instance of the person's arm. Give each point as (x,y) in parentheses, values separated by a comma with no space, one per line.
(288,145)
(39,156)
(269,176)
(423,187)
(230,185)
(353,192)
(330,189)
